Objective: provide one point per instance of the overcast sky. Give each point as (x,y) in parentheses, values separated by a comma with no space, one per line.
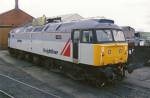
(135,13)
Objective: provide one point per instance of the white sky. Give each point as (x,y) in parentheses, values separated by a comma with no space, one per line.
(135,13)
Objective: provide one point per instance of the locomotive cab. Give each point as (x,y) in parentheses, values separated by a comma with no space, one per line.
(111,47)
(108,46)
(104,49)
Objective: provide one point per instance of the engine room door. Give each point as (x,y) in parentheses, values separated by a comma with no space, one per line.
(76,40)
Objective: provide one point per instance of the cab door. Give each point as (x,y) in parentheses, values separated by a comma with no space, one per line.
(76,40)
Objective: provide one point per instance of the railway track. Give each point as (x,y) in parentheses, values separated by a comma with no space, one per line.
(27,85)
(6,94)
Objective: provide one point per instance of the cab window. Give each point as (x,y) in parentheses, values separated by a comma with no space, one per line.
(87,36)
(104,35)
(118,35)
(76,36)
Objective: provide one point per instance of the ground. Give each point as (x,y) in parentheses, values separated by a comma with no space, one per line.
(20,79)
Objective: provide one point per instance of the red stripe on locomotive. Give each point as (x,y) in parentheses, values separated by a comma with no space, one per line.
(67,52)
(65,47)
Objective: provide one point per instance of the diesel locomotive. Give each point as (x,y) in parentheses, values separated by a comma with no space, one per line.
(92,49)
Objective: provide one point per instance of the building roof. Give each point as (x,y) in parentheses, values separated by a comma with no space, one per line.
(15,17)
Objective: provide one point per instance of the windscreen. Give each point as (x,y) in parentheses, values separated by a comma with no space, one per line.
(109,35)
(104,35)
(118,35)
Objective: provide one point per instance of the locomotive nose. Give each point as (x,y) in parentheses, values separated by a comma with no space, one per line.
(110,54)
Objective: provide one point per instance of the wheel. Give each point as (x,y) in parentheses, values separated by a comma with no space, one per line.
(29,57)
(121,75)
(36,60)
(47,63)
(20,55)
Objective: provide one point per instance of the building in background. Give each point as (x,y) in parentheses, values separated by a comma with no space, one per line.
(69,17)
(10,19)
(143,38)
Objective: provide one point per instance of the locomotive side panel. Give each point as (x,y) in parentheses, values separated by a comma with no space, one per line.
(86,53)
(53,45)
(21,41)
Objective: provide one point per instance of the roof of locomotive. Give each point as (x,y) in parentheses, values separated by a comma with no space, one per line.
(69,26)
